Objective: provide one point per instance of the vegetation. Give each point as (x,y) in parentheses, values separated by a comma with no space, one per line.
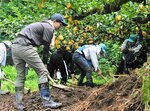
(108,21)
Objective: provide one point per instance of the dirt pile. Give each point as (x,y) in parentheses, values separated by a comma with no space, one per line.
(33,102)
(123,95)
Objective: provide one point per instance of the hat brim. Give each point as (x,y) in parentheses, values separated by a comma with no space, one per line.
(130,40)
(64,24)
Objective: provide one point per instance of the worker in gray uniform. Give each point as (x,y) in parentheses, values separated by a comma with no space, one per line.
(35,34)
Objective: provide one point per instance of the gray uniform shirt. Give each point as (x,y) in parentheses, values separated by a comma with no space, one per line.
(39,33)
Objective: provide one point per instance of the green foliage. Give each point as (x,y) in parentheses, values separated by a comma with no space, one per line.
(16,15)
(109,64)
(144,73)
(31,79)
(99,80)
(146,90)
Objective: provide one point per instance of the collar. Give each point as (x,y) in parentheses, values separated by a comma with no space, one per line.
(51,22)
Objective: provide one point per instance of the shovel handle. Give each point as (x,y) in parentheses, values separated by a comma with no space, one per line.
(100,74)
(51,79)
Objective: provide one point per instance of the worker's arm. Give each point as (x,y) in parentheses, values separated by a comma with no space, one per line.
(45,54)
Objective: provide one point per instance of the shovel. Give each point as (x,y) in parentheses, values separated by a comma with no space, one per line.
(100,74)
(60,86)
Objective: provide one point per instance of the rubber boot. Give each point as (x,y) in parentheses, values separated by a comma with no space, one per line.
(19,98)
(90,82)
(46,98)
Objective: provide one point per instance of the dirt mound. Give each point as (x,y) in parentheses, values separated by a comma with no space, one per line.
(122,95)
(33,101)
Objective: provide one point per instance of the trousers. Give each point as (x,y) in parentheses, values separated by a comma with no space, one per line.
(26,54)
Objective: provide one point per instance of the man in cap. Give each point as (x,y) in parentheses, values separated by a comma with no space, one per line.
(85,58)
(4,47)
(35,34)
(129,48)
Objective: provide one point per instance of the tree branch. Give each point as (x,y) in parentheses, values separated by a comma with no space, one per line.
(142,20)
(108,8)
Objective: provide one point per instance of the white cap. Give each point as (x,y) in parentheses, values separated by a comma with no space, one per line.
(8,43)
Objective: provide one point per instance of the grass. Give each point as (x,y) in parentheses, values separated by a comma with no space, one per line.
(31,79)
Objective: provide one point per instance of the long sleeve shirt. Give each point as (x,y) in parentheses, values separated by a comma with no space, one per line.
(92,53)
(36,34)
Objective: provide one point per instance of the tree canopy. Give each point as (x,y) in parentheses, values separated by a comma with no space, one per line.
(88,21)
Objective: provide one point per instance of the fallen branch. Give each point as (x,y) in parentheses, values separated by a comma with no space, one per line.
(83,106)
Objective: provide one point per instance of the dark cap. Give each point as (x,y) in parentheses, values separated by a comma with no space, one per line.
(59,18)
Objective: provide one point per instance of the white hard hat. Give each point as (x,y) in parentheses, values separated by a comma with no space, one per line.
(8,43)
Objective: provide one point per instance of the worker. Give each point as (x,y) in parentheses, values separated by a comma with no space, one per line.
(34,35)
(4,48)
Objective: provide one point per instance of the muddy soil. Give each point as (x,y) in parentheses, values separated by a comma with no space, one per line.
(33,101)
(122,95)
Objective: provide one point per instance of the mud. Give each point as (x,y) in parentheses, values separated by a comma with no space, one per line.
(33,102)
(122,95)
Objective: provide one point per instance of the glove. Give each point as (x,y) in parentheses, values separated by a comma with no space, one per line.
(2,74)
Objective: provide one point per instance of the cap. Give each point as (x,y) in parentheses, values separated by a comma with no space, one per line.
(8,43)
(59,18)
(103,46)
(133,37)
